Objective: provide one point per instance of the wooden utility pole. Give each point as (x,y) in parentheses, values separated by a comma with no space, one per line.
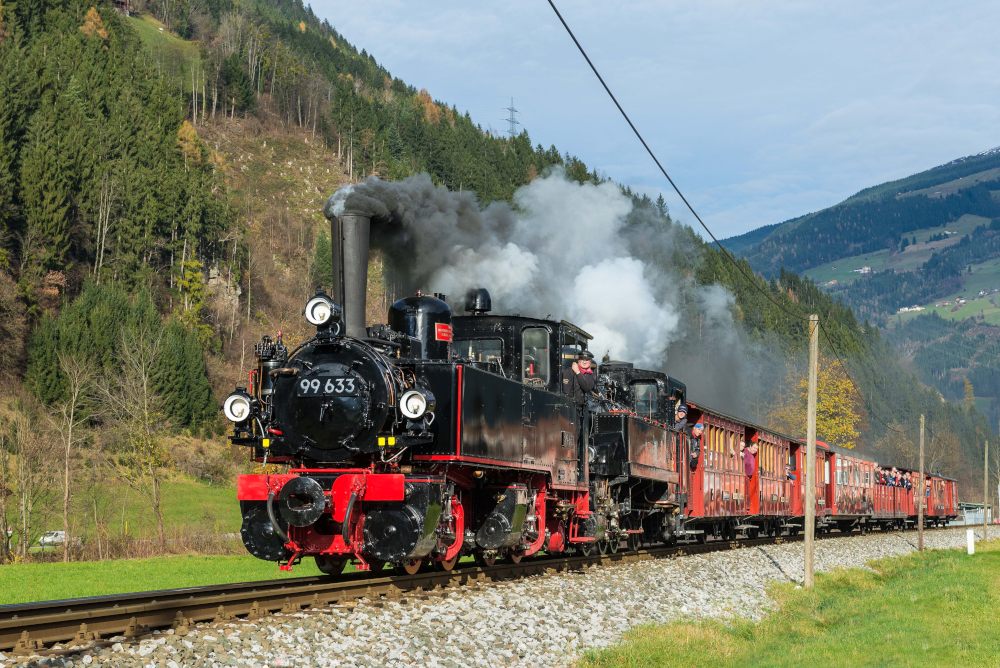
(986,485)
(810,479)
(920,491)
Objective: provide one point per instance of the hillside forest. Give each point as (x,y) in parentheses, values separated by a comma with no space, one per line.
(161,183)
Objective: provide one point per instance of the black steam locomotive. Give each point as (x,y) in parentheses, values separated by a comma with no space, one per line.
(434,436)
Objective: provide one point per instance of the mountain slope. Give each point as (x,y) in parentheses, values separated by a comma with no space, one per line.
(878,218)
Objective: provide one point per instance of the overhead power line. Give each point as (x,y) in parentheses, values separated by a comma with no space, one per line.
(742,269)
(729,256)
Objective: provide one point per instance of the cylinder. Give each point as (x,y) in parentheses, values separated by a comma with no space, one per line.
(349,235)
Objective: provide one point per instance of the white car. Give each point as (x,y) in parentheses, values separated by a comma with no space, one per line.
(52,538)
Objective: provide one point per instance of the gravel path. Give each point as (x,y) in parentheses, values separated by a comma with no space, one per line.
(542,620)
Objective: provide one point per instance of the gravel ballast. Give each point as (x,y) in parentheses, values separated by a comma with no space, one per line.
(541,620)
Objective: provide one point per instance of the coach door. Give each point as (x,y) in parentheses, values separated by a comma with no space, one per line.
(796,455)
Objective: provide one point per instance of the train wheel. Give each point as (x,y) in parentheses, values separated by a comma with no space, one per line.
(586,549)
(448,564)
(411,566)
(634,542)
(515,557)
(330,565)
(614,545)
(484,560)
(375,566)
(602,546)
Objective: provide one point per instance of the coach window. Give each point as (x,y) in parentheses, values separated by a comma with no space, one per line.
(535,356)
(646,399)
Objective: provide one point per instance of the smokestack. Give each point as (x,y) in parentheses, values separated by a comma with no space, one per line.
(349,234)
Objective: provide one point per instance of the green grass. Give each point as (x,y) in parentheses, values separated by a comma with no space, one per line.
(914,257)
(984,276)
(175,56)
(187,504)
(23,583)
(933,609)
(842,270)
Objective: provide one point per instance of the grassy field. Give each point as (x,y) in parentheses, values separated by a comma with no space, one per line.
(842,270)
(984,276)
(174,55)
(187,505)
(934,609)
(23,583)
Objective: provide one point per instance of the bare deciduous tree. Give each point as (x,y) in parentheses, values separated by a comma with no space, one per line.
(29,458)
(5,493)
(68,421)
(139,455)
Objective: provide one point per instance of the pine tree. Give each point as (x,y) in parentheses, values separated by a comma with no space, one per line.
(45,190)
(661,206)
(43,377)
(16,93)
(237,87)
(321,275)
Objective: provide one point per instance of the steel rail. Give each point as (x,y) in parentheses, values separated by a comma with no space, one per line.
(30,627)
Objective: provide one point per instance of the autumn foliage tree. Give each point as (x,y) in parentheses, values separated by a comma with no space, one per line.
(838,410)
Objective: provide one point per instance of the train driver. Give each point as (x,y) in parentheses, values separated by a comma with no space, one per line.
(681,418)
(578,384)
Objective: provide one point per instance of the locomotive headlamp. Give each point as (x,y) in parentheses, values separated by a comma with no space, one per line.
(320,310)
(237,407)
(414,404)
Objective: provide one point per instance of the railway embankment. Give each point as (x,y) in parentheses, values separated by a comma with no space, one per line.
(932,609)
(552,619)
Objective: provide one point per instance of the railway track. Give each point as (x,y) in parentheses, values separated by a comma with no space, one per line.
(34,627)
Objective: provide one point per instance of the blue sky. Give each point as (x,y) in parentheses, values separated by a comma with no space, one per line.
(761,111)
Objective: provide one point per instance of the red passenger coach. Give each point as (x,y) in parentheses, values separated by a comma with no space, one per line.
(722,500)
(942,502)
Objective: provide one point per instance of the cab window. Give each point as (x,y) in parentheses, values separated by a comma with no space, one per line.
(480,350)
(646,399)
(535,356)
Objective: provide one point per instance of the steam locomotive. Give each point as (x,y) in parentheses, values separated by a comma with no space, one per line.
(438,435)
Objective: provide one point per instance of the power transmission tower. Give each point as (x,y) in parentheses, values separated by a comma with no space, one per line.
(511,119)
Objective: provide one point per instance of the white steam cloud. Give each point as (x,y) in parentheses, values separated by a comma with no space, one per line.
(584,253)
(564,250)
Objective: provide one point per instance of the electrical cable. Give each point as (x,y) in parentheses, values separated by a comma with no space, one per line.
(732,260)
(748,275)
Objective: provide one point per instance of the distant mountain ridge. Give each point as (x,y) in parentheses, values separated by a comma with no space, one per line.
(918,256)
(878,217)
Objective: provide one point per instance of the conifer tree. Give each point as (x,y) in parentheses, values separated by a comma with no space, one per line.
(43,377)
(45,190)
(321,275)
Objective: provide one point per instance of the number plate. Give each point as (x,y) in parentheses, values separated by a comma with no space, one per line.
(322,386)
